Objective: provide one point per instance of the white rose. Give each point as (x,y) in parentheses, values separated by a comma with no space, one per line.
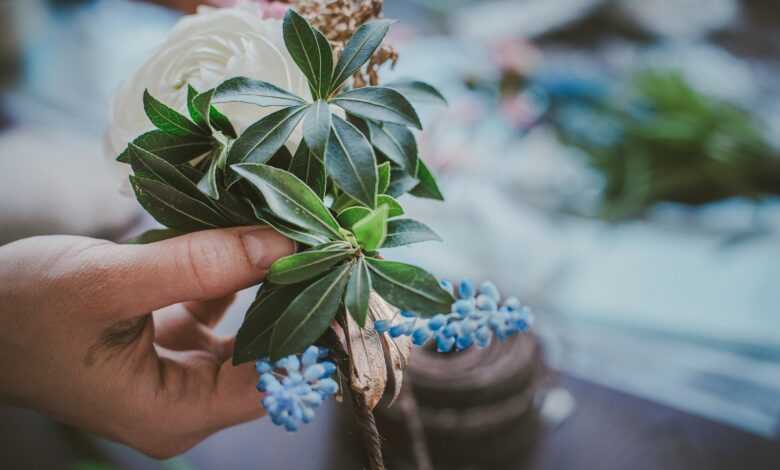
(204,50)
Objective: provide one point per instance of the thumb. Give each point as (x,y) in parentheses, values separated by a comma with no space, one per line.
(198,266)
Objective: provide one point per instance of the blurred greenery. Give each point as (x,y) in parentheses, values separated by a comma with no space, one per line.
(663,141)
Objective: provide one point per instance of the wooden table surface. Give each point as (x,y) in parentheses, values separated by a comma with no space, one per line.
(608,430)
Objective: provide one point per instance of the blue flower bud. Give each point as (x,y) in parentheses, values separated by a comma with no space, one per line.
(327,386)
(421,335)
(382,326)
(512,303)
(463,307)
(408,314)
(444,344)
(436,322)
(263,367)
(310,356)
(446,285)
(486,303)
(313,372)
(490,290)
(466,289)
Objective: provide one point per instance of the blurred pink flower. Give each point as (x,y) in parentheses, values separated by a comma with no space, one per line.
(514,55)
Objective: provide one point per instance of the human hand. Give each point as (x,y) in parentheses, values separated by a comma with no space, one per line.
(78,341)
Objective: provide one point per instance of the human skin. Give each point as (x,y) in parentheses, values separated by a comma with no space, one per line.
(78,341)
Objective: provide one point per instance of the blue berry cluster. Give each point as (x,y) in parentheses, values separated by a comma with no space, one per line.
(476,317)
(295,386)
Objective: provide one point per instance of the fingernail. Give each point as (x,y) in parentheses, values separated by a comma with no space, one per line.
(264,246)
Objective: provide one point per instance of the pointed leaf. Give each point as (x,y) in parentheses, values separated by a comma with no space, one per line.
(310,314)
(310,50)
(401,182)
(264,138)
(383,172)
(208,183)
(428,187)
(352,215)
(393,207)
(359,49)
(379,104)
(148,165)
(418,92)
(169,120)
(371,230)
(350,161)
(196,116)
(198,103)
(257,92)
(402,232)
(292,232)
(174,149)
(316,128)
(290,199)
(358,292)
(309,169)
(397,143)
(173,208)
(409,287)
(253,340)
(306,265)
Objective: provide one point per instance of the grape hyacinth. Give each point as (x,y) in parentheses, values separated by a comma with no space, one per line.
(295,386)
(475,318)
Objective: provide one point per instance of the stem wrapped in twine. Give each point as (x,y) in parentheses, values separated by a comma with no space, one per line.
(372,441)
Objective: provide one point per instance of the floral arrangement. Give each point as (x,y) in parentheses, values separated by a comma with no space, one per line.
(260,121)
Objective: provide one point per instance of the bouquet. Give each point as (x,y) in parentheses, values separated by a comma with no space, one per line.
(261,121)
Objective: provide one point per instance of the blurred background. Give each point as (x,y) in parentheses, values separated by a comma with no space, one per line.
(615,163)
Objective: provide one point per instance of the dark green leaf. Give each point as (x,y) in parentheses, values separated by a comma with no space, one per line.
(351,215)
(383,172)
(174,149)
(306,265)
(290,231)
(154,235)
(196,116)
(393,207)
(264,138)
(201,105)
(310,50)
(221,123)
(169,120)
(235,209)
(359,49)
(173,208)
(290,199)
(418,92)
(253,340)
(208,183)
(371,230)
(358,292)
(350,161)
(428,187)
(148,165)
(197,105)
(257,92)
(310,314)
(316,128)
(401,182)
(402,232)
(281,159)
(378,104)
(397,143)
(309,169)
(409,287)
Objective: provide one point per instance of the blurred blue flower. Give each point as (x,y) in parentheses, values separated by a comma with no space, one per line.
(475,318)
(295,386)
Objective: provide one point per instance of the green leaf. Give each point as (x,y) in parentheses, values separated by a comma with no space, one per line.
(418,92)
(281,159)
(316,128)
(169,120)
(154,235)
(293,233)
(309,169)
(428,187)
(208,183)
(310,50)
(221,123)
(409,287)
(306,265)
(401,232)
(359,49)
(378,104)
(310,314)
(358,292)
(262,139)
(197,103)
(174,149)
(397,143)
(352,215)
(253,340)
(195,114)
(393,207)
(148,165)
(350,161)
(371,230)
(290,199)
(173,208)
(401,182)
(383,176)
(257,92)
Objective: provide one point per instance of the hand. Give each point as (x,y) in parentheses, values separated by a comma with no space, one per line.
(78,341)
